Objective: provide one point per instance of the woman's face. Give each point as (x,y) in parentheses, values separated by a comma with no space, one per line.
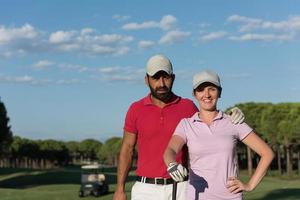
(207,95)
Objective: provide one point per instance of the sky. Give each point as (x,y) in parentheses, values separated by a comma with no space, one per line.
(69,70)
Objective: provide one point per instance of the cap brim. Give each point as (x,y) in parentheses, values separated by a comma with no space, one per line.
(156,71)
(202,82)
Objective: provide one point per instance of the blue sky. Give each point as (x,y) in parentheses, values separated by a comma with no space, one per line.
(70,69)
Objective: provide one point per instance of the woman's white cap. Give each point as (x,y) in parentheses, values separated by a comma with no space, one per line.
(206,76)
(159,63)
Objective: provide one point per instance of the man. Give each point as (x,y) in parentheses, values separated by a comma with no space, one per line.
(150,122)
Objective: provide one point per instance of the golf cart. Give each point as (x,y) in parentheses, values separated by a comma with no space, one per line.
(92,181)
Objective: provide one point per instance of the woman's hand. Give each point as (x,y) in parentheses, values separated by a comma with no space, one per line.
(234,185)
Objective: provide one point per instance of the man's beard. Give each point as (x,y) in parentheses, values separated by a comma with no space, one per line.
(164,97)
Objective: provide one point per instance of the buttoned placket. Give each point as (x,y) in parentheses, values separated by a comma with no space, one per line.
(161,116)
(208,127)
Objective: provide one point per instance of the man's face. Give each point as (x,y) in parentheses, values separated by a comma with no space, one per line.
(160,85)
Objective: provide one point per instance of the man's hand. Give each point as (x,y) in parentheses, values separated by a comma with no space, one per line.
(177,171)
(119,195)
(236,115)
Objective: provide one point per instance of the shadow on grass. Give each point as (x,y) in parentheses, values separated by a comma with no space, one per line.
(8,171)
(32,178)
(282,194)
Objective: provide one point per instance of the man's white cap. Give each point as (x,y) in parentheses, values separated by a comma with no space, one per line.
(159,63)
(206,76)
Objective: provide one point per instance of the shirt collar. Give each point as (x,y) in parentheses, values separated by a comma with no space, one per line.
(196,118)
(148,101)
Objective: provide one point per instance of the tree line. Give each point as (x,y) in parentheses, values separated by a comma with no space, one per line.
(47,154)
(278,124)
(17,152)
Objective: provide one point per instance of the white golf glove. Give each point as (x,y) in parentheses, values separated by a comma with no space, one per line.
(236,115)
(177,171)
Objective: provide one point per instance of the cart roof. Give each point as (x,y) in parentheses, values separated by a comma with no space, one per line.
(95,166)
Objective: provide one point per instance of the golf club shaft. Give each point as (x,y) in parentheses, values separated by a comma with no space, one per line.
(174,191)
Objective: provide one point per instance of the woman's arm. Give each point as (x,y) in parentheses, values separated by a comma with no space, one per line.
(266,156)
(176,171)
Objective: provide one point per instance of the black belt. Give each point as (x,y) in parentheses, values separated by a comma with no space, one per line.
(158,181)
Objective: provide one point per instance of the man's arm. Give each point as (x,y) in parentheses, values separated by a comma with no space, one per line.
(125,160)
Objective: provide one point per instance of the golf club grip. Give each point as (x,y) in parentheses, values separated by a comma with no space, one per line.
(174,191)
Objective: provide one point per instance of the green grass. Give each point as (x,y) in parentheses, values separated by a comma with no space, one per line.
(63,184)
(274,188)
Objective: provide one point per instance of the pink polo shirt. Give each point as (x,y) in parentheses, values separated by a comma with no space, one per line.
(154,127)
(212,151)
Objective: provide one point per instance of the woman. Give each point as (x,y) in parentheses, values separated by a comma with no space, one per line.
(211,139)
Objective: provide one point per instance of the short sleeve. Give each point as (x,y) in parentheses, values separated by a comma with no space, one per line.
(130,120)
(181,130)
(243,130)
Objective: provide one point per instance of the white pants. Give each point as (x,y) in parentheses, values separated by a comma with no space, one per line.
(147,191)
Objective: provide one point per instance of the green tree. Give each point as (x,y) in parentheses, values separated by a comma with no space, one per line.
(5,132)
(74,151)
(53,153)
(296,128)
(253,112)
(88,149)
(271,117)
(287,133)
(110,150)
(24,153)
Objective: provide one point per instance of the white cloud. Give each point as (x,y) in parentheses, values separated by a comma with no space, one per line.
(100,49)
(13,34)
(101,70)
(73,67)
(93,70)
(68,47)
(121,17)
(89,42)
(123,78)
(119,74)
(292,24)
(213,36)
(173,37)
(237,76)
(204,25)
(251,24)
(262,37)
(144,25)
(6,54)
(86,31)
(23,79)
(284,30)
(109,39)
(109,69)
(68,82)
(28,80)
(42,64)
(26,39)
(144,44)
(167,22)
(61,36)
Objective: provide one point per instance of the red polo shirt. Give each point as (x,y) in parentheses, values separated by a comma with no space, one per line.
(154,127)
